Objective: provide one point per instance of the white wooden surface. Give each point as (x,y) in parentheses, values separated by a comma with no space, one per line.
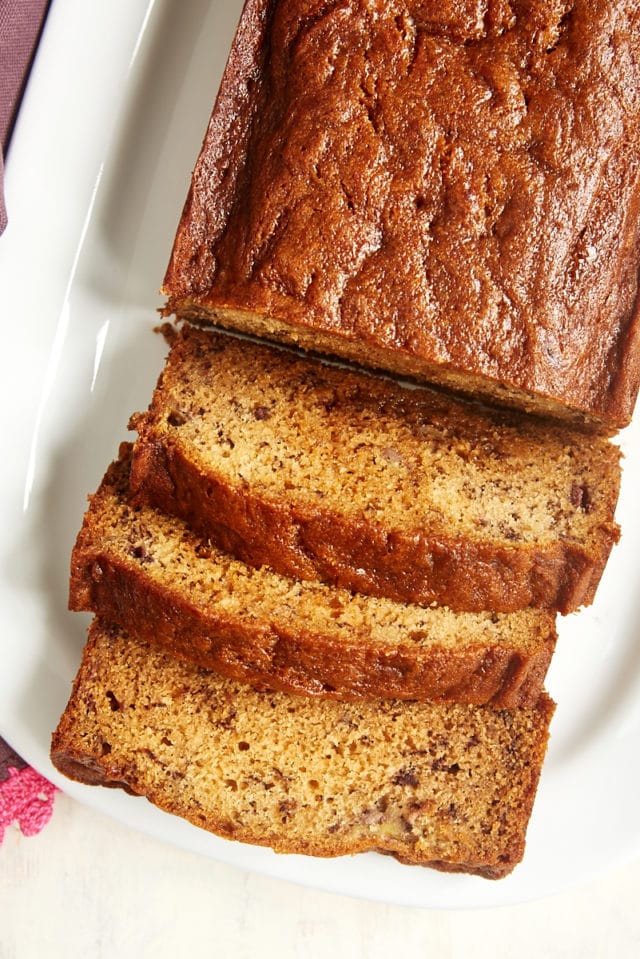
(89,887)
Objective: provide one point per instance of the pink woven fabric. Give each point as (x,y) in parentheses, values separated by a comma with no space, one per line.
(26,798)
(20,25)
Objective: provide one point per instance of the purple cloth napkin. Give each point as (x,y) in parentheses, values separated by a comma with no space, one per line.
(8,759)
(20,25)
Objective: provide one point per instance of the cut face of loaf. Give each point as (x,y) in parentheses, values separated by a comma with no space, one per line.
(321,472)
(445,786)
(152,575)
(431,190)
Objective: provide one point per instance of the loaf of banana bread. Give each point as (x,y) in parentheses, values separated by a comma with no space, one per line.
(321,472)
(446,190)
(445,786)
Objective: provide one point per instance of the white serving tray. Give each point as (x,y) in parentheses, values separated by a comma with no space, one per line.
(96,176)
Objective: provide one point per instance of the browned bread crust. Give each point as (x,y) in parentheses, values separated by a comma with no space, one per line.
(451,787)
(327,473)
(153,576)
(449,191)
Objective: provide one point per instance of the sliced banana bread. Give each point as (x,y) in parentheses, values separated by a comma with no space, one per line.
(445,786)
(322,472)
(152,575)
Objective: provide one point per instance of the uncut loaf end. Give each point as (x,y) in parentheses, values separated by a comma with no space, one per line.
(450,787)
(432,189)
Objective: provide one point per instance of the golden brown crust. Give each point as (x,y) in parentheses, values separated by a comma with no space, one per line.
(410,812)
(482,233)
(302,663)
(279,649)
(411,566)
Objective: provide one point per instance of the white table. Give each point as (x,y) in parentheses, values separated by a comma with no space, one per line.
(87,886)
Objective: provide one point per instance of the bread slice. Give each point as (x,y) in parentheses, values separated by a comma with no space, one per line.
(149,573)
(445,786)
(327,473)
(432,190)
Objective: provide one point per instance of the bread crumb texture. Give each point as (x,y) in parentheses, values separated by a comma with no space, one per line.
(446,786)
